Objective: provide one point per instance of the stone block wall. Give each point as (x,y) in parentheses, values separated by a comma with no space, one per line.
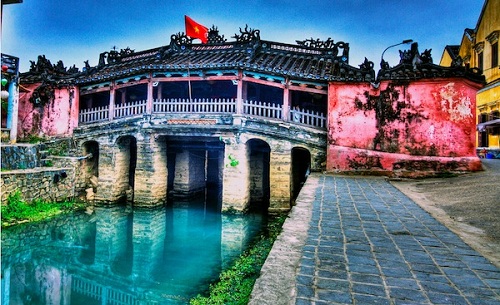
(20,156)
(46,183)
(150,187)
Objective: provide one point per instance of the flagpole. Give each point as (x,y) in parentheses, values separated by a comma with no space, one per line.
(189,78)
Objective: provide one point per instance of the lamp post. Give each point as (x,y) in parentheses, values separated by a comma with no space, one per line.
(406,41)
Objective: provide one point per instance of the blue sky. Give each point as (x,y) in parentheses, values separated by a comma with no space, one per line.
(77,30)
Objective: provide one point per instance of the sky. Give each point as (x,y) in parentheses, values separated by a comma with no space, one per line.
(78,30)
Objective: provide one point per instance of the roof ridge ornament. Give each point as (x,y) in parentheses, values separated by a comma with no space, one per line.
(180,41)
(328,45)
(317,43)
(247,35)
(214,37)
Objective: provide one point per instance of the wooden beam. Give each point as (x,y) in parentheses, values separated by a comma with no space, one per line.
(195,78)
(263,82)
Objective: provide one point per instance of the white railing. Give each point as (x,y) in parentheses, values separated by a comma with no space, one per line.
(217,105)
(87,288)
(266,110)
(92,115)
(204,106)
(308,117)
(130,109)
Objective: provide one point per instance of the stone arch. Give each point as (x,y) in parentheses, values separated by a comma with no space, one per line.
(125,165)
(301,167)
(258,152)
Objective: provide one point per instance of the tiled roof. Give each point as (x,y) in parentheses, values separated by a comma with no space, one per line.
(313,60)
(308,61)
(415,65)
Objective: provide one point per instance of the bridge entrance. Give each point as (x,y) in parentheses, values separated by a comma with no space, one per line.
(259,156)
(194,164)
(301,167)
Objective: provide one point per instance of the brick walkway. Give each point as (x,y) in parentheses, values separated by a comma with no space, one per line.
(367,243)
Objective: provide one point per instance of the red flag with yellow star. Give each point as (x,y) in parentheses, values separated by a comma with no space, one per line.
(196,30)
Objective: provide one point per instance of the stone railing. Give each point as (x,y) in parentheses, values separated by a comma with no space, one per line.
(203,106)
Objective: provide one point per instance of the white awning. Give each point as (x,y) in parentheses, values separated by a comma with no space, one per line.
(488,124)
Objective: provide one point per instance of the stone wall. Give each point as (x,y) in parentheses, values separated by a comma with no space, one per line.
(20,156)
(46,183)
(404,128)
(22,171)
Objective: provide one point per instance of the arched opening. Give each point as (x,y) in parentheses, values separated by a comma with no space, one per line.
(259,155)
(301,167)
(90,166)
(195,167)
(125,164)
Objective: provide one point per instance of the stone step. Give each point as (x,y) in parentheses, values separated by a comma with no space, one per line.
(43,154)
(46,162)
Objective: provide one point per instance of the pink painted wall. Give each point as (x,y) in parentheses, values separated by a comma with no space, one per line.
(418,125)
(56,118)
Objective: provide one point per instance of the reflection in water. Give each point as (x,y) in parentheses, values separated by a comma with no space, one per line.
(120,255)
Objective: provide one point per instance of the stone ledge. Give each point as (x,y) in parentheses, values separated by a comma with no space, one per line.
(276,284)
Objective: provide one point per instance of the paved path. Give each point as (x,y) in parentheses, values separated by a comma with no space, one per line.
(356,240)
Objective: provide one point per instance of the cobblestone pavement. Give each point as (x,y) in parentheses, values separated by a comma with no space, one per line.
(365,242)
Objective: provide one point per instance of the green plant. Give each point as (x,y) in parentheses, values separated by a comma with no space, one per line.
(61,149)
(17,209)
(32,139)
(233,161)
(236,283)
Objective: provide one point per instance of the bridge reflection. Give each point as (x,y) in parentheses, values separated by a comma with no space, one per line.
(120,255)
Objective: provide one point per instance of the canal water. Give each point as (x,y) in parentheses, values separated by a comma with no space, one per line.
(121,255)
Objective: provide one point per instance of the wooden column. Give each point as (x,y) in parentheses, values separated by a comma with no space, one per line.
(112,101)
(239,93)
(149,102)
(160,86)
(286,102)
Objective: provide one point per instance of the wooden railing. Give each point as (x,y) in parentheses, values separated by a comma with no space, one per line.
(203,106)
(266,110)
(308,117)
(93,115)
(130,109)
(218,105)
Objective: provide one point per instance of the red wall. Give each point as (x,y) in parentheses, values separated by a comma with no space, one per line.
(421,126)
(58,117)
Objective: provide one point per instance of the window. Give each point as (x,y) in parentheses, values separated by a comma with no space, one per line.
(494,55)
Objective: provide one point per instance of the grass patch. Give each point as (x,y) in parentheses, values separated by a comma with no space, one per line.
(236,283)
(17,210)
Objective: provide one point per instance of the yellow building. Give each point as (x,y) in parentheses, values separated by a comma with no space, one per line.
(479,49)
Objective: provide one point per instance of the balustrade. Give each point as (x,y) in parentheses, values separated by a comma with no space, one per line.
(93,115)
(218,105)
(266,110)
(130,109)
(203,106)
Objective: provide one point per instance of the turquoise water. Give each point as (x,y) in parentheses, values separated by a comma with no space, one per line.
(120,255)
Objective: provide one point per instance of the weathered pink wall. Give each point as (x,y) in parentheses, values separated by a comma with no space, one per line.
(56,118)
(414,126)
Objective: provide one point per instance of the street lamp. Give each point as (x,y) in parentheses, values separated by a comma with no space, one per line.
(406,41)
